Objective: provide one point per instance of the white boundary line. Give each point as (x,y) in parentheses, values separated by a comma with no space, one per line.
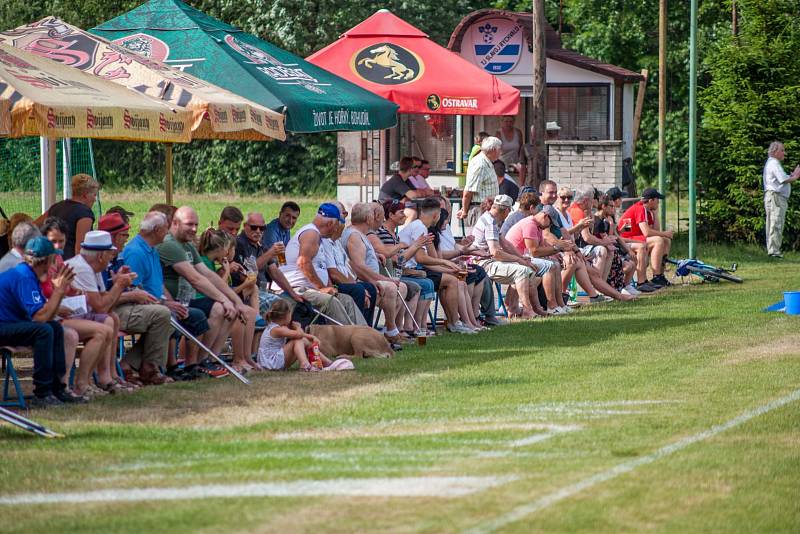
(440,487)
(626,467)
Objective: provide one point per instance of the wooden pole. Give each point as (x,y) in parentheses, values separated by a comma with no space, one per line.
(539,171)
(637,114)
(734,19)
(662,106)
(169,173)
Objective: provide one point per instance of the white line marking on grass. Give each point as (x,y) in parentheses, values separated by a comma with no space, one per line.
(350,487)
(626,467)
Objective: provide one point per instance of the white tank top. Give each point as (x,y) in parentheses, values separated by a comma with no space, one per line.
(509,153)
(294,275)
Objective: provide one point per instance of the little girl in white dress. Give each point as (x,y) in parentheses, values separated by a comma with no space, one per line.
(284,342)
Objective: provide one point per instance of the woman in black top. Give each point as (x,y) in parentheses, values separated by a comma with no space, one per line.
(76,212)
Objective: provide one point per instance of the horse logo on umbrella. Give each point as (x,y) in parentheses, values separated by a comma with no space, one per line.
(387,64)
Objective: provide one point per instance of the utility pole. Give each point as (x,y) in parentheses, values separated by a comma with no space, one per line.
(662,107)
(539,90)
(693,130)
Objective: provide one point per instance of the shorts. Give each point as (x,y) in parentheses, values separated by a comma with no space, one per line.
(413,289)
(92,316)
(589,251)
(506,272)
(274,360)
(203,304)
(196,323)
(434,277)
(427,289)
(543,266)
(476,276)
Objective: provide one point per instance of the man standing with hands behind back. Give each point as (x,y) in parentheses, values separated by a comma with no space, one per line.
(776,196)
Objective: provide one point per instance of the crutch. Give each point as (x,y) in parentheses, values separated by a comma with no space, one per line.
(327,317)
(177,326)
(402,299)
(26,424)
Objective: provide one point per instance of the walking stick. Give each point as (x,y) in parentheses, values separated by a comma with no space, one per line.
(26,424)
(402,299)
(177,326)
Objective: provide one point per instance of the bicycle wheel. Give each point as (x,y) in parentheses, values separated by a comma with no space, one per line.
(715,272)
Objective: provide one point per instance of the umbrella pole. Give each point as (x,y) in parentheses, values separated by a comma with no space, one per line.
(168,173)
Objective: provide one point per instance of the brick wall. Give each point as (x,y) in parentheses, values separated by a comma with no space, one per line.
(578,163)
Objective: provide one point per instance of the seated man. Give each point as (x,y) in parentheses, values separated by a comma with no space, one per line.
(278,229)
(417,180)
(505,264)
(139,310)
(230,220)
(638,227)
(528,239)
(28,320)
(340,270)
(185,273)
(439,271)
(367,267)
(252,256)
(306,268)
(599,251)
(96,251)
(20,235)
(505,183)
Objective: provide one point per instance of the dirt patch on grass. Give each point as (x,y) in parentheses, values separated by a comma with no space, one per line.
(771,349)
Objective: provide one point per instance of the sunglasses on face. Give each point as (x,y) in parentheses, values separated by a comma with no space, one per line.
(566,198)
(257,228)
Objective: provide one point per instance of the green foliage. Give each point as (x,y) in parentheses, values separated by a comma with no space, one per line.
(753,99)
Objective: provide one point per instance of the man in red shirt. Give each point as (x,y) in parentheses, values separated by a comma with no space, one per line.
(638,227)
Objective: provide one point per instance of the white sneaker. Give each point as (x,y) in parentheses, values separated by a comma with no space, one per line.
(460,328)
(558,311)
(630,290)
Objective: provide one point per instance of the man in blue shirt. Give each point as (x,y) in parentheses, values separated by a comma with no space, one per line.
(147,309)
(278,230)
(27,319)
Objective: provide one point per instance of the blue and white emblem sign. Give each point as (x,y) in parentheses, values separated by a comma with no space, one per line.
(497,44)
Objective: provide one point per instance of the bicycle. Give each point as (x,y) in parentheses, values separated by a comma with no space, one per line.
(704,271)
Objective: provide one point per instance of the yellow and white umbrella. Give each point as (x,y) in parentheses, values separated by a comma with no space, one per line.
(41,97)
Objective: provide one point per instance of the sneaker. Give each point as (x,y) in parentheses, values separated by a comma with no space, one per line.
(558,310)
(776,256)
(495,321)
(660,280)
(630,290)
(599,298)
(647,287)
(459,328)
(47,401)
(217,373)
(68,397)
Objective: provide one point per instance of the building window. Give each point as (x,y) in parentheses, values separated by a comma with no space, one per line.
(580,111)
(430,137)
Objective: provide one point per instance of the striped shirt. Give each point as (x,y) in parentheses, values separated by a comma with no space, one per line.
(481,179)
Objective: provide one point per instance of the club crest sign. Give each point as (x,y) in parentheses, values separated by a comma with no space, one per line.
(387,64)
(497,44)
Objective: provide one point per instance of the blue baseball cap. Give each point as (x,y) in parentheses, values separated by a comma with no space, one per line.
(41,247)
(331,211)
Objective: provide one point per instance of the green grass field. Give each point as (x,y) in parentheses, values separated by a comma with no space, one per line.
(605,420)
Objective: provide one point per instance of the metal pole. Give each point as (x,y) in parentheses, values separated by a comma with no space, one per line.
(47,161)
(693,130)
(662,107)
(459,159)
(66,167)
(169,172)
(185,333)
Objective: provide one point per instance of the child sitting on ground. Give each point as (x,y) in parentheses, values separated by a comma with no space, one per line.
(284,341)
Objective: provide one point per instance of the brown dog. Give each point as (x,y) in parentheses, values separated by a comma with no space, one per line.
(351,341)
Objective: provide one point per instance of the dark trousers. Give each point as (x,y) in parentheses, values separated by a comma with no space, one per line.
(357,292)
(47,341)
(487,300)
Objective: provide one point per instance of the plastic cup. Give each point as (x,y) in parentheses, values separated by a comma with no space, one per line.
(422,340)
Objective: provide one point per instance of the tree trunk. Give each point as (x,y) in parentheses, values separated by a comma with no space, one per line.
(539,164)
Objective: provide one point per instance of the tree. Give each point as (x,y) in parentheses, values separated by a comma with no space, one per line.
(753,98)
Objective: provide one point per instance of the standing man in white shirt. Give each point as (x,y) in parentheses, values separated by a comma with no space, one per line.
(776,196)
(481,181)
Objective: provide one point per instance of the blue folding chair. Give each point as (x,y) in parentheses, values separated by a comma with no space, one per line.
(501,304)
(11,377)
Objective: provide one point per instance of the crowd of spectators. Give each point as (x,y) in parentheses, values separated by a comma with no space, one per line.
(248,288)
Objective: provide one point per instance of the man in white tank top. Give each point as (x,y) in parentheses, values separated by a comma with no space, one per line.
(306,268)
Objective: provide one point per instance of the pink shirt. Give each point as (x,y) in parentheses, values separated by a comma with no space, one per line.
(419,182)
(524,229)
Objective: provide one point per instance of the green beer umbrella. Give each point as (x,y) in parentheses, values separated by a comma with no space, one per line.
(313,99)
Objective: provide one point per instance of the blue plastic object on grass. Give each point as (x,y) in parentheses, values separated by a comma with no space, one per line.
(792,300)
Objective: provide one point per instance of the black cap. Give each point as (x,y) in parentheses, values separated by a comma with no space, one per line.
(651,193)
(615,193)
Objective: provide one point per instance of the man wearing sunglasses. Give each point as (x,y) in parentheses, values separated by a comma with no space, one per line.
(252,256)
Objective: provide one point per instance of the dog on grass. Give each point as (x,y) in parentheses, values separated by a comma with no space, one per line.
(351,341)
